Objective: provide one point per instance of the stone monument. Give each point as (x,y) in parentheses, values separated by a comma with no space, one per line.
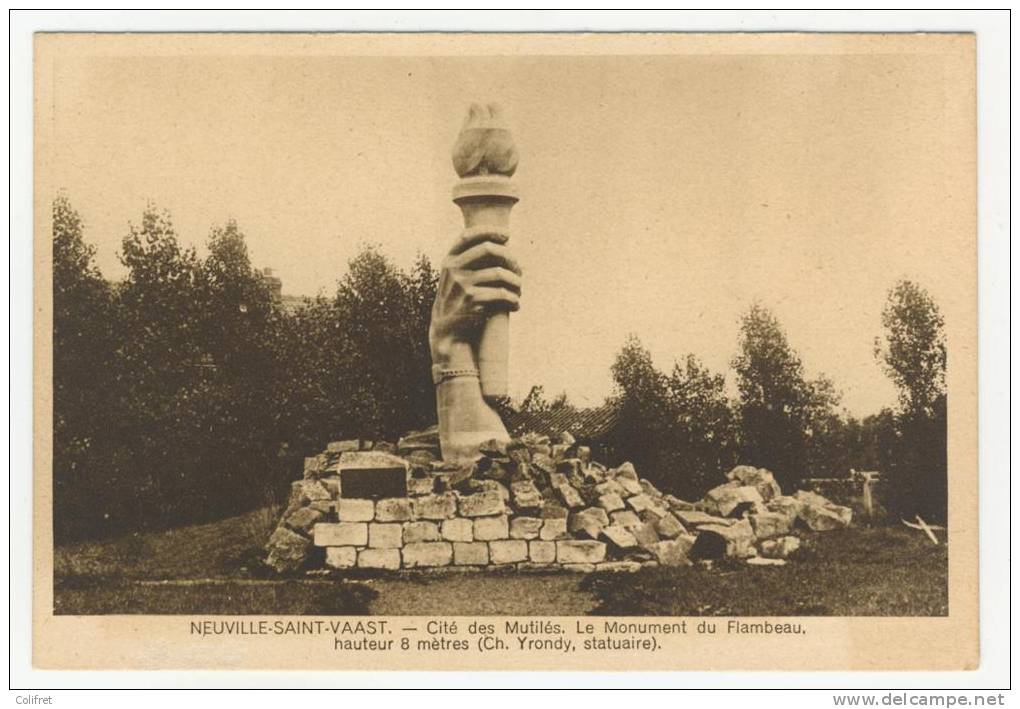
(480,284)
(481,500)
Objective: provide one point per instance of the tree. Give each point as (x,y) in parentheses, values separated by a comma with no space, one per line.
(82,340)
(84,353)
(914,349)
(678,429)
(535,402)
(385,318)
(237,305)
(161,305)
(913,354)
(239,421)
(310,392)
(705,428)
(779,408)
(163,433)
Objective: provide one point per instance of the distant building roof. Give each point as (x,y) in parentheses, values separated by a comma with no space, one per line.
(583,424)
(272,282)
(293,302)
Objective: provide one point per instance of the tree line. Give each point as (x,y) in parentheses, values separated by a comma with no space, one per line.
(682,428)
(185,392)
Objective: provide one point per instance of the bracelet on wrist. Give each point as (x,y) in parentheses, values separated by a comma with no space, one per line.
(439,374)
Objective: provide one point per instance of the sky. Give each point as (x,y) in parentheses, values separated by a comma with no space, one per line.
(661,195)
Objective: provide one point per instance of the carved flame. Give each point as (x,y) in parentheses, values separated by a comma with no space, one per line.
(484,146)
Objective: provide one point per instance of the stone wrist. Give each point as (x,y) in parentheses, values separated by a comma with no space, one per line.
(451,354)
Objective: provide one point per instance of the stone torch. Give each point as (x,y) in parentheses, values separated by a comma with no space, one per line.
(485,158)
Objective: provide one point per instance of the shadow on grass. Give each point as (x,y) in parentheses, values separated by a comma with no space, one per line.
(95,595)
(856,572)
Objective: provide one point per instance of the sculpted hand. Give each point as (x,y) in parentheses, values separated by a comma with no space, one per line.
(478,277)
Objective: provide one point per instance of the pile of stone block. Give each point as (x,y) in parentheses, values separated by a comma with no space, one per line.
(531,504)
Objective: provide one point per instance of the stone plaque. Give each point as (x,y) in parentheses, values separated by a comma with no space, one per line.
(373,483)
(372,475)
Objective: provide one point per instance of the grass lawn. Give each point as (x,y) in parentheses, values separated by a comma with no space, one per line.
(211,569)
(107,596)
(883,571)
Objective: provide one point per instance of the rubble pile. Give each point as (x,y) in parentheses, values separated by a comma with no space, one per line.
(531,504)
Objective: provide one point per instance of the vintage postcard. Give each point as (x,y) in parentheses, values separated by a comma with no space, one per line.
(522,351)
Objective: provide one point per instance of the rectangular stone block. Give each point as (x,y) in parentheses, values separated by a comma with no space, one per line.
(311,467)
(669,527)
(379,559)
(427,554)
(394,509)
(770,524)
(435,506)
(645,534)
(540,459)
(525,496)
(525,527)
(630,487)
(673,552)
(341,557)
(470,553)
(656,511)
(302,520)
(311,490)
(421,532)
(729,496)
(343,446)
(697,518)
(552,510)
(580,551)
(579,568)
(324,506)
(739,538)
(610,487)
(625,518)
(421,486)
(625,471)
(553,528)
(489,528)
(611,502)
(458,530)
(481,504)
(618,566)
(348,510)
(370,460)
(331,534)
(619,537)
(640,502)
(541,552)
(508,551)
(588,522)
(570,497)
(385,536)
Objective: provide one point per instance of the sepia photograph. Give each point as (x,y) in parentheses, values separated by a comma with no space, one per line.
(670,334)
